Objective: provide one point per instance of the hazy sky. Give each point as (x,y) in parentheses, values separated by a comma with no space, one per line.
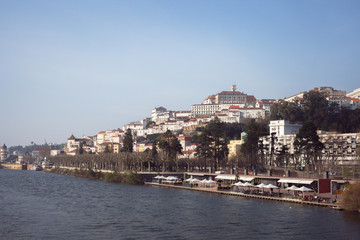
(79,67)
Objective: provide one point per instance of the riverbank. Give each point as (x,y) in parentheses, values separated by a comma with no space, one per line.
(225,192)
(109,176)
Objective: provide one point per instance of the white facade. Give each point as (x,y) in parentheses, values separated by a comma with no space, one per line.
(283,127)
(204,109)
(354,94)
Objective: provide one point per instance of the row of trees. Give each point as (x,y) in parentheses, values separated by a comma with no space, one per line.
(211,152)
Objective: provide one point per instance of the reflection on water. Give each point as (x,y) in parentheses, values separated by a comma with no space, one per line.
(38,205)
(351,216)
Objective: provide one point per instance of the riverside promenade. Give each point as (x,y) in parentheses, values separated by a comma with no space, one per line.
(227,192)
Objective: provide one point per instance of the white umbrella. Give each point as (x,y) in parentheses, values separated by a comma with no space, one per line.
(171,178)
(271,186)
(305,189)
(248,184)
(211,182)
(292,188)
(194,180)
(204,181)
(239,184)
(261,185)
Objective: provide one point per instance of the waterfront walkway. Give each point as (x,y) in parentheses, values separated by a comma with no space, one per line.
(227,192)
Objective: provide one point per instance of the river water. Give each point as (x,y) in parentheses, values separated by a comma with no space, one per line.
(39,205)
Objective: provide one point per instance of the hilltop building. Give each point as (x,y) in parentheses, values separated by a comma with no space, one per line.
(223,100)
(328,92)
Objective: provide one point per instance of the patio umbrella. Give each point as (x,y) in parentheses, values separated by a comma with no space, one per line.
(292,188)
(195,180)
(261,185)
(204,181)
(271,186)
(239,184)
(211,182)
(248,184)
(305,189)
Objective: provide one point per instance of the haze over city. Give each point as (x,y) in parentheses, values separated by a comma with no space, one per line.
(78,67)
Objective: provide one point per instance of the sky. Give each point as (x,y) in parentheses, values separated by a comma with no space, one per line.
(80,67)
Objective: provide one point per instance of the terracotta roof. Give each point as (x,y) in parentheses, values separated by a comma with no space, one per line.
(72,137)
(250,98)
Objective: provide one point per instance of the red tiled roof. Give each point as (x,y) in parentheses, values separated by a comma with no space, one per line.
(250,98)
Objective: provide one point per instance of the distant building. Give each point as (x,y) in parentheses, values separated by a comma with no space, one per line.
(3,153)
(328,92)
(235,145)
(73,144)
(40,153)
(354,94)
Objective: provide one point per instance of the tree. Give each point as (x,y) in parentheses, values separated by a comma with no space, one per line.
(212,143)
(107,149)
(81,148)
(316,109)
(250,147)
(203,150)
(154,155)
(171,146)
(308,145)
(128,142)
(286,110)
(282,159)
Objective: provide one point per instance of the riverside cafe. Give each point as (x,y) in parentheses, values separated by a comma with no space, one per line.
(318,185)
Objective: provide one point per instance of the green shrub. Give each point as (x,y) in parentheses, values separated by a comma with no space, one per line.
(113,177)
(132,178)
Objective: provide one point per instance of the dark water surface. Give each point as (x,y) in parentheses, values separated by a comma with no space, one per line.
(39,205)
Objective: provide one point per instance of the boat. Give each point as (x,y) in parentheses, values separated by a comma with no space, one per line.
(36,168)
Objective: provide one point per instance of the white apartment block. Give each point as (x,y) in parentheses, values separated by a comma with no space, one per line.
(341,147)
